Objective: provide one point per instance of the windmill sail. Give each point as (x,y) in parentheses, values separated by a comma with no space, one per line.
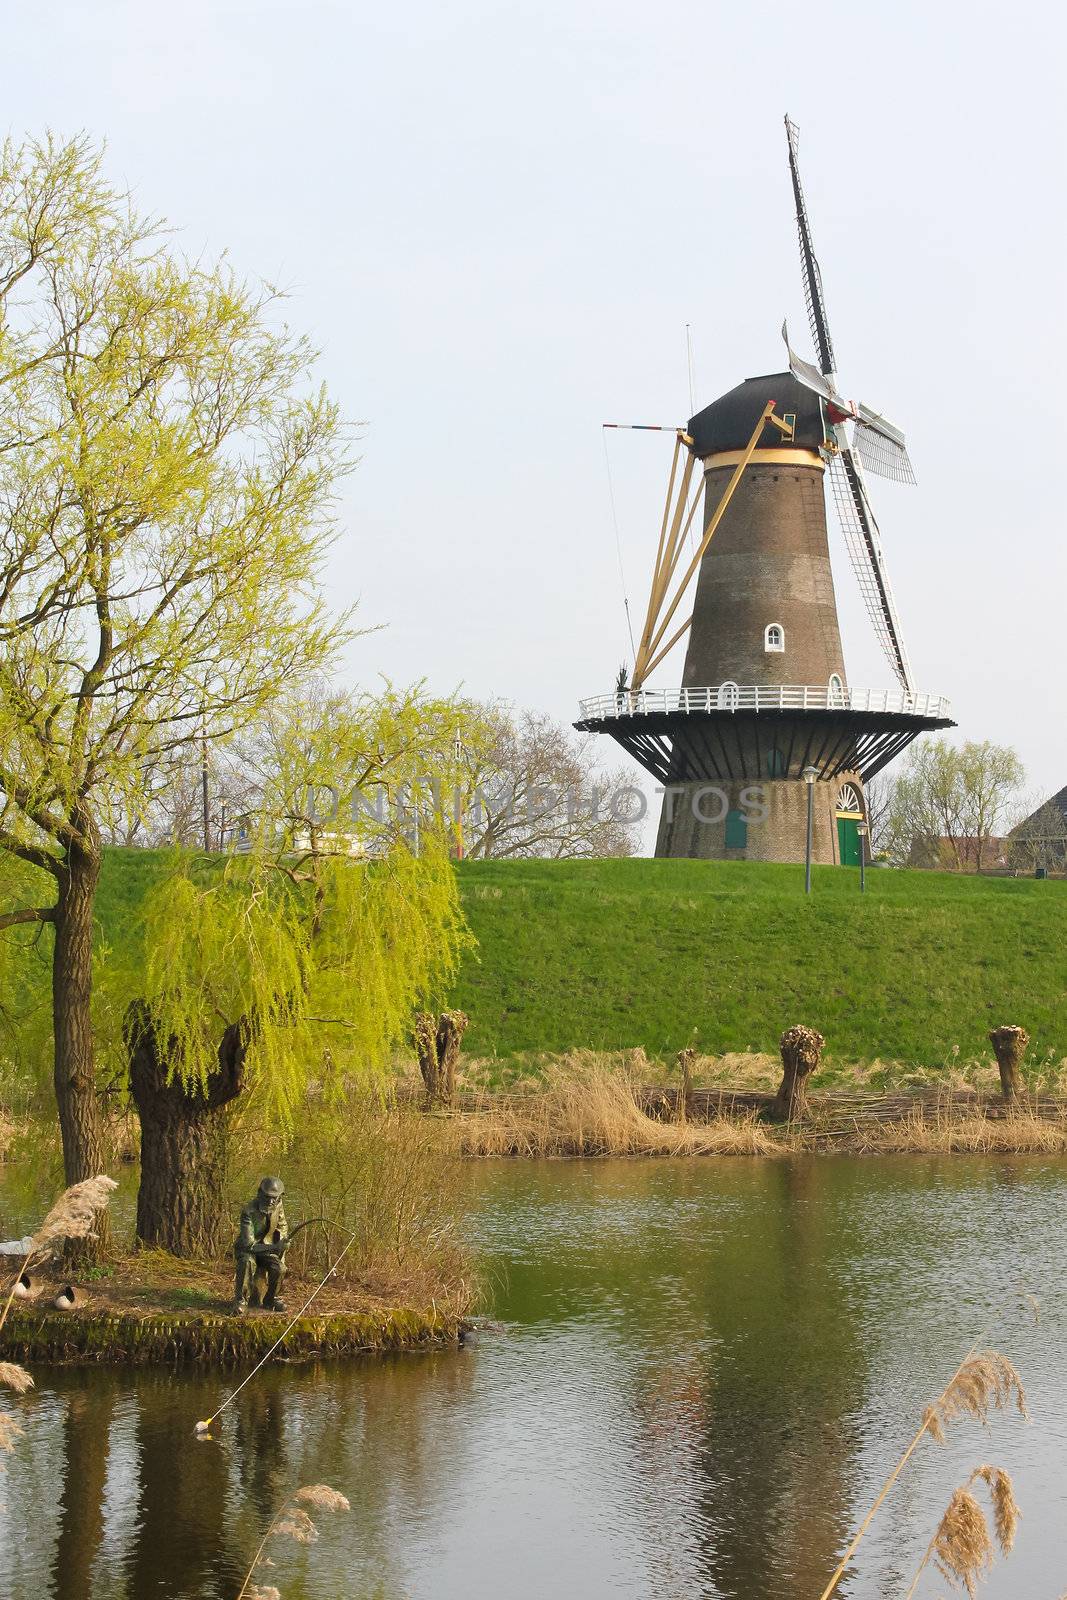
(865,552)
(880,452)
(878,445)
(820,330)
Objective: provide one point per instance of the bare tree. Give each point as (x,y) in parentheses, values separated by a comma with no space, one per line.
(531,787)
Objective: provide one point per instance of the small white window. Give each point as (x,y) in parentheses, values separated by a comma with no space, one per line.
(728,695)
(774,636)
(837,690)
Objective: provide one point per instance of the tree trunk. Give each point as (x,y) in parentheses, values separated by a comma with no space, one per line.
(80,1121)
(1009,1046)
(686,1058)
(181,1200)
(801,1050)
(438,1046)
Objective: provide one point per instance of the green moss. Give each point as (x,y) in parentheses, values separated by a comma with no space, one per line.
(52,1337)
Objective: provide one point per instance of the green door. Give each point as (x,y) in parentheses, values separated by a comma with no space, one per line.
(848,841)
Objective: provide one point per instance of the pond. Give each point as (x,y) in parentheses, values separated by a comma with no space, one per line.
(703,1372)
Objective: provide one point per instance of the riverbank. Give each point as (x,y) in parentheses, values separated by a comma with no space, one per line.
(140,1310)
(597,1107)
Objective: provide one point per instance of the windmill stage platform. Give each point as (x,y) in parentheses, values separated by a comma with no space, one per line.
(735,732)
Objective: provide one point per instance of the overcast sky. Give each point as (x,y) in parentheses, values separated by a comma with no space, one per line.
(496,220)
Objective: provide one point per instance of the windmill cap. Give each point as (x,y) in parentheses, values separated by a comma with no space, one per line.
(728,422)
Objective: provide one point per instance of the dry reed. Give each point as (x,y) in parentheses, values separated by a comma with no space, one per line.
(291,1522)
(982,1382)
(15,1377)
(9,1431)
(986,1381)
(587,1107)
(961,1547)
(1020,1131)
(322,1496)
(71,1217)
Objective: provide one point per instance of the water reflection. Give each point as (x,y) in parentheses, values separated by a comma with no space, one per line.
(706,1368)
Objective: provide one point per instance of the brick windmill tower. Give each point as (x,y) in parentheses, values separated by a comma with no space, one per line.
(765,707)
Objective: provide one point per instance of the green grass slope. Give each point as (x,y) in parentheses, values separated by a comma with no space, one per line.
(614,954)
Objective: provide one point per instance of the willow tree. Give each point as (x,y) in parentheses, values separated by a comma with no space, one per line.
(296,965)
(166,479)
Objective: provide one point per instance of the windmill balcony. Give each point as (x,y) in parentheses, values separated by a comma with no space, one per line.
(762,697)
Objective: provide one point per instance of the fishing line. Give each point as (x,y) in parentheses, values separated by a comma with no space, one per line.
(202,1427)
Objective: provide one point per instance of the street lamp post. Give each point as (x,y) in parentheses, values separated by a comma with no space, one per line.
(809,775)
(861,829)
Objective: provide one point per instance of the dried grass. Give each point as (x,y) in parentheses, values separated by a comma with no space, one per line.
(15,1377)
(1019,1131)
(588,1107)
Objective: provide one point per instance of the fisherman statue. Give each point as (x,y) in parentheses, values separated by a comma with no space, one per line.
(260,1250)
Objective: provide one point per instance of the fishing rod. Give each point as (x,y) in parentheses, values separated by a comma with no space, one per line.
(201,1428)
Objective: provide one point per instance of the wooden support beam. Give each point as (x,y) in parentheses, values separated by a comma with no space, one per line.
(660,574)
(641,668)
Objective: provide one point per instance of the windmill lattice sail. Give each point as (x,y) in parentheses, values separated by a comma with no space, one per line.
(877,445)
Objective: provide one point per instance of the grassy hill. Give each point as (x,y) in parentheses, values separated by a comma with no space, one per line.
(612,954)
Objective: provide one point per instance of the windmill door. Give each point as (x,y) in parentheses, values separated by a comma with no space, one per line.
(848,841)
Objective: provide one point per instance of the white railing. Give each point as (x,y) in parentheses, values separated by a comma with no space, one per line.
(763,697)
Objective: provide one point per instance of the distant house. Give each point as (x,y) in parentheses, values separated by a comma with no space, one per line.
(961,855)
(1040,840)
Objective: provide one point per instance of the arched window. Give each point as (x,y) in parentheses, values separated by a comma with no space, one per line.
(836,688)
(728,696)
(774,636)
(848,800)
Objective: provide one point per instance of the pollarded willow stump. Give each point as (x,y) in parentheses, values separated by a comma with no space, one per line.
(438,1045)
(686,1061)
(801,1050)
(1009,1046)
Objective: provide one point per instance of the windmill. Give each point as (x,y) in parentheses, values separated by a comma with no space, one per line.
(764,710)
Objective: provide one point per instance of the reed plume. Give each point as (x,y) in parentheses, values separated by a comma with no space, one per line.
(291,1522)
(71,1217)
(9,1431)
(296,1525)
(984,1381)
(961,1548)
(321,1495)
(15,1377)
